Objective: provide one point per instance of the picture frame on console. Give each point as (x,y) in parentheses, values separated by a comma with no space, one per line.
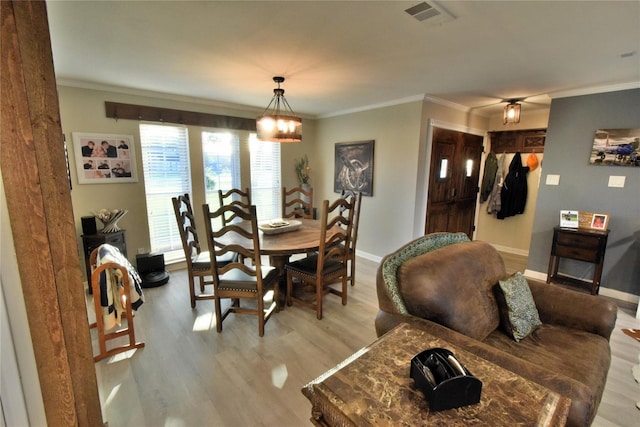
(599,221)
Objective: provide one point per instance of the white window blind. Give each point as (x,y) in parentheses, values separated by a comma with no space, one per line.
(266,183)
(167,173)
(221,158)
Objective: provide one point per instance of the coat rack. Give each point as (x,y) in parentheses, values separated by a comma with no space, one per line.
(518,141)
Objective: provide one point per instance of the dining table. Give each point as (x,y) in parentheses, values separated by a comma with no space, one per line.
(280,245)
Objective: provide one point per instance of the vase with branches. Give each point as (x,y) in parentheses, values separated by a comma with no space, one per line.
(302,170)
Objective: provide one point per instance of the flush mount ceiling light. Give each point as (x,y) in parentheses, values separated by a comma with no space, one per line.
(279,124)
(511,112)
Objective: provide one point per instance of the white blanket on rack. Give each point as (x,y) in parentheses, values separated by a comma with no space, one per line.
(111,286)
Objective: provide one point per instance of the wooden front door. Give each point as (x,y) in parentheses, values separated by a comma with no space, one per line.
(453,181)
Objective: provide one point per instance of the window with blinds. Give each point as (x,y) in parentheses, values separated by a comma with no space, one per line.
(221,158)
(167,173)
(266,183)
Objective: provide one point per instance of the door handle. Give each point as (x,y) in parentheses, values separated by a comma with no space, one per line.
(452,196)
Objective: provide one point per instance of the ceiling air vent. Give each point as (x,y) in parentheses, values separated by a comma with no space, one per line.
(432,12)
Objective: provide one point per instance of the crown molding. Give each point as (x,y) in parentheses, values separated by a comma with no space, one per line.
(448,104)
(373,106)
(594,90)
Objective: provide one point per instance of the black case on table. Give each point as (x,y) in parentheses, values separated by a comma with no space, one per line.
(451,389)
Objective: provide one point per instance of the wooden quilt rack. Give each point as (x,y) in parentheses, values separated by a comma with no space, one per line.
(103,336)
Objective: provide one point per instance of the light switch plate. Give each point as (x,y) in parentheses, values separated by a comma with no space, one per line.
(616,181)
(553,180)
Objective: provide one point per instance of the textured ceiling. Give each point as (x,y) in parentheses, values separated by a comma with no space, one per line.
(346,55)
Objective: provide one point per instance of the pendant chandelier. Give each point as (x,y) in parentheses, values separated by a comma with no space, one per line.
(280,124)
(511,112)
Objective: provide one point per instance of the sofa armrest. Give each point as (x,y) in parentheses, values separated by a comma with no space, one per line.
(564,307)
(386,321)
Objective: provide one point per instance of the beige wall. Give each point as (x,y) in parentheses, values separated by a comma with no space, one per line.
(83,110)
(385,222)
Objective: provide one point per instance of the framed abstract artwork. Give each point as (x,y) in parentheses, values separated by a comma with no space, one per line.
(354,167)
(103,158)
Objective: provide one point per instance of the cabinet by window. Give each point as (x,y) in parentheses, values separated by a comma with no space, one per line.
(92,241)
(582,245)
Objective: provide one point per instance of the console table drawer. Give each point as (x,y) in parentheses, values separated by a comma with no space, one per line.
(581,241)
(581,254)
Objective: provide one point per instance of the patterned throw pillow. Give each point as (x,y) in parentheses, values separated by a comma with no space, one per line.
(522,313)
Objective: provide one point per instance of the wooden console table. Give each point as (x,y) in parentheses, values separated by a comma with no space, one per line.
(582,245)
(373,387)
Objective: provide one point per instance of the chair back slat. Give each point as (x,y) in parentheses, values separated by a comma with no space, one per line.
(234,197)
(294,206)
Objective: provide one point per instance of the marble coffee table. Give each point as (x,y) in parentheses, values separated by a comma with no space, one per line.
(372,387)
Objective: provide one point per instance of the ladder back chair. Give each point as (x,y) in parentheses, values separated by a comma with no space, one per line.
(329,265)
(357,197)
(112,279)
(198,262)
(237,280)
(234,197)
(297,203)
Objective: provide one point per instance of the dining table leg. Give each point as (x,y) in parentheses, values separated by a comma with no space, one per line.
(279,261)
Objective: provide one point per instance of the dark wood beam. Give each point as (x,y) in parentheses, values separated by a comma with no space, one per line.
(118,111)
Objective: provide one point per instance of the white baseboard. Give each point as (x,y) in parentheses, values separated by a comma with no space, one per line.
(509,250)
(535,275)
(619,295)
(175,265)
(368,256)
(608,292)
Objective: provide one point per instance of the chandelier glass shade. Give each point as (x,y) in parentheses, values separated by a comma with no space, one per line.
(511,113)
(278,122)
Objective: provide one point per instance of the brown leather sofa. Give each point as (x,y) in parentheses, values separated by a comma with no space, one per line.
(448,284)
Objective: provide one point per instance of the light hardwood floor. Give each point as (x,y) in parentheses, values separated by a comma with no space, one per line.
(189,375)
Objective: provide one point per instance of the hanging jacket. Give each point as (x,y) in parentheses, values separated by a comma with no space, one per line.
(489,177)
(513,196)
(494,198)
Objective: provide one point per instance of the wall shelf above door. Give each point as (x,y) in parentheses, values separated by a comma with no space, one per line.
(523,141)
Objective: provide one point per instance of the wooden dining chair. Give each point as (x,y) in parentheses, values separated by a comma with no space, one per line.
(297,203)
(357,197)
(237,280)
(234,196)
(198,262)
(329,265)
(112,280)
